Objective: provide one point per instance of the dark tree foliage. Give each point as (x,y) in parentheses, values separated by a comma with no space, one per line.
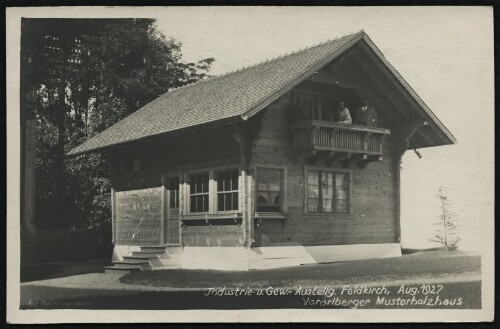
(89,74)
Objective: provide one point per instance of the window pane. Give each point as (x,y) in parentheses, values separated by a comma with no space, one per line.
(313,191)
(205,202)
(227,182)
(193,204)
(274,186)
(340,205)
(263,197)
(199,183)
(327,191)
(275,198)
(269,184)
(235,201)
(199,203)
(313,178)
(220,202)
(205,184)
(340,194)
(220,182)
(327,179)
(234,181)
(312,205)
(339,180)
(172,184)
(263,186)
(174,199)
(327,204)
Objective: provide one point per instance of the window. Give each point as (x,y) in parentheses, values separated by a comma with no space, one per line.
(199,192)
(315,107)
(227,190)
(308,106)
(269,190)
(130,165)
(173,186)
(327,191)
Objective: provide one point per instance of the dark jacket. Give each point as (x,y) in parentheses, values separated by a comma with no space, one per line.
(366,118)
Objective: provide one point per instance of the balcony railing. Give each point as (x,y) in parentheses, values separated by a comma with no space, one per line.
(338,140)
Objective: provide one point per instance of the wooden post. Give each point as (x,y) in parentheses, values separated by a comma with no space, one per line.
(245,135)
(113,215)
(164,201)
(240,136)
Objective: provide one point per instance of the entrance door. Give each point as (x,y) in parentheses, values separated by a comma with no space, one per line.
(172,225)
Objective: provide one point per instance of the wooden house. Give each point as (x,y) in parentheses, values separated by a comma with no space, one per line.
(246,171)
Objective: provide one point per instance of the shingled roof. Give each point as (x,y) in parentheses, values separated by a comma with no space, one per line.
(239,94)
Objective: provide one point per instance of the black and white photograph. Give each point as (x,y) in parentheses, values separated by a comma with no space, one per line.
(250,164)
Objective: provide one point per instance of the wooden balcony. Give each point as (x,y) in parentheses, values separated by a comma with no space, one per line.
(341,142)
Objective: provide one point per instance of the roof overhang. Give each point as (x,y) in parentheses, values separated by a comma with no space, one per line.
(359,38)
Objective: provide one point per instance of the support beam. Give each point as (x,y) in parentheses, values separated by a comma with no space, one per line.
(376,80)
(325,154)
(371,158)
(374,94)
(245,135)
(342,157)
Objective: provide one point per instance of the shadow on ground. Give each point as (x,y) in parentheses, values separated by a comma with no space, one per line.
(60,270)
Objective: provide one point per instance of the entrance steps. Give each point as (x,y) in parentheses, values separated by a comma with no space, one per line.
(147,259)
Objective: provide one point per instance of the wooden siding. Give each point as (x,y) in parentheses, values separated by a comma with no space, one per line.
(375,192)
(204,151)
(212,235)
(138,219)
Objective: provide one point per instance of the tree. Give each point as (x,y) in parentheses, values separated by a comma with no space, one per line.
(91,73)
(447,233)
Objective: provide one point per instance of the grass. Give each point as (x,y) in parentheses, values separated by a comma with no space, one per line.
(60,270)
(157,290)
(65,298)
(429,264)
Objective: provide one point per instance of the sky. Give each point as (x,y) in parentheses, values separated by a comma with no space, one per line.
(444,53)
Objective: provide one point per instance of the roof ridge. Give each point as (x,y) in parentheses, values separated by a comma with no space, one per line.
(266,60)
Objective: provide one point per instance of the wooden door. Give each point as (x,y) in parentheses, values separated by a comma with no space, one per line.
(172,224)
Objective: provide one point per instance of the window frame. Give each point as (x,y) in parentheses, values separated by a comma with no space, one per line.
(212,189)
(189,195)
(283,189)
(349,207)
(216,191)
(165,179)
(319,112)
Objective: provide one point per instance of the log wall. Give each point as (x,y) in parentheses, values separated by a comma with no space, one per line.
(375,192)
(201,151)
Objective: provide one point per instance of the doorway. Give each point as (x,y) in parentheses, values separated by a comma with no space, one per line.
(172,223)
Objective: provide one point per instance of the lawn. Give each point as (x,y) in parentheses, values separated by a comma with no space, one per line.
(457,273)
(414,266)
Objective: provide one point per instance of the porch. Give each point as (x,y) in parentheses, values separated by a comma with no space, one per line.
(340,142)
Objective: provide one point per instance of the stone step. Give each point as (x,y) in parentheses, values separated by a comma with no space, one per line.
(141,256)
(153,249)
(127,265)
(121,270)
(147,254)
(131,260)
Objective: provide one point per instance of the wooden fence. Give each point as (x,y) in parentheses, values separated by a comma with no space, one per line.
(46,246)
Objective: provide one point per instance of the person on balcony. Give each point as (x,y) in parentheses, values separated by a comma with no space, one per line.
(343,114)
(366,115)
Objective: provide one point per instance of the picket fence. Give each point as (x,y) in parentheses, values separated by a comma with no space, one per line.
(59,245)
